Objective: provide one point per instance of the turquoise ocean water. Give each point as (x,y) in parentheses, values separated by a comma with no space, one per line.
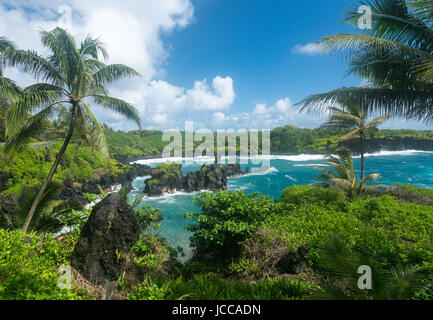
(285,171)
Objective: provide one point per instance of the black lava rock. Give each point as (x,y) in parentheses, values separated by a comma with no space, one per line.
(106,239)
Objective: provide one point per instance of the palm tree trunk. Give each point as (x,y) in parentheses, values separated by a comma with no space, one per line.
(362,156)
(53,168)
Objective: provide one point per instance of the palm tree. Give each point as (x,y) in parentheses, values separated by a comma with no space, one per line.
(344,176)
(8,89)
(350,116)
(395,57)
(47,214)
(73,76)
(340,264)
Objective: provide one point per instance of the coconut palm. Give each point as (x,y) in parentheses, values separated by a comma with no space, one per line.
(8,89)
(343,176)
(350,116)
(48,213)
(340,265)
(395,58)
(72,76)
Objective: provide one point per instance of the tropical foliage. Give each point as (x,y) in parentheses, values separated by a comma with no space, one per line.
(394,57)
(351,117)
(48,214)
(344,176)
(341,265)
(226,220)
(72,75)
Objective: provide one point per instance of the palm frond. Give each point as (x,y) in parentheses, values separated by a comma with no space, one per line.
(94,131)
(351,134)
(22,135)
(353,44)
(406,281)
(34,64)
(5,44)
(92,47)
(400,103)
(394,20)
(119,106)
(114,72)
(19,111)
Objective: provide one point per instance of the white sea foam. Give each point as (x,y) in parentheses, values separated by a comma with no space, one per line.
(259,172)
(293,158)
(150,162)
(170,197)
(142,178)
(300,157)
(385,153)
(311,165)
(290,178)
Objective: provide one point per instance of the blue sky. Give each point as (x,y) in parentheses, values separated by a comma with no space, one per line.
(252,42)
(221,63)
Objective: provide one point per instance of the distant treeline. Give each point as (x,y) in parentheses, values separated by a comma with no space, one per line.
(288,139)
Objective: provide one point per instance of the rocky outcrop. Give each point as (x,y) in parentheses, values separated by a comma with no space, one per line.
(125,159)
(4,181)
(212,177)
(164,180)
(101,251)
(294,262)
(108,180)
(74,190)
(8,206)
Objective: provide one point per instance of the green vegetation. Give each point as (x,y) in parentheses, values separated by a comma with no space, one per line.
(48,214)
(30,166)
(167,170)
(226,221)
(341,263)
(350,116)
(74,76)
(395,235)
(394,56)
(134,143)
(343,177)
(250,247)
(29,267)
(307,245)
(213,287)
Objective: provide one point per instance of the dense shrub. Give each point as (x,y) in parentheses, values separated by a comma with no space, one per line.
(30,166)
(379,225)
(413,194)
(306,195)
(151,253)
(213,287)
(226,220)
(261,254)
(29,267)
(339,264)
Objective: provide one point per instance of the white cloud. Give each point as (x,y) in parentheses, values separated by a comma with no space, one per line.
(265,117)
(132,35)
(310,49)
(203,98)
